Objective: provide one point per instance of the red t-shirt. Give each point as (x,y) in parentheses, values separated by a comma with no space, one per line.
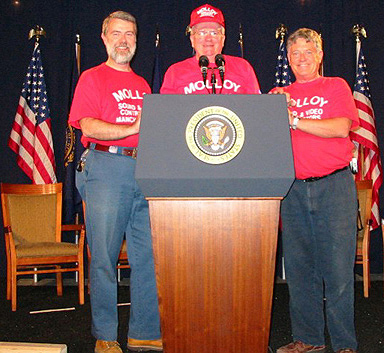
(109,95)
(185,77)
(323,98)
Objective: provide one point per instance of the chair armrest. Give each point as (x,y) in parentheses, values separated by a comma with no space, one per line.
(9,242)
(69,227)
(82,240)
(74,228)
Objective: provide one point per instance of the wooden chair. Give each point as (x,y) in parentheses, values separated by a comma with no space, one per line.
(364,195)
(122,261)
(32,230)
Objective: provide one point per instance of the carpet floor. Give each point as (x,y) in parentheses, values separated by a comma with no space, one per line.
(73,327)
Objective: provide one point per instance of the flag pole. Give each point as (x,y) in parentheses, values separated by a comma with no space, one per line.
(241,41)
(37,32)
(78,51)
(321,69)
(157,40)
(157,72)
(78,60)
(358,31)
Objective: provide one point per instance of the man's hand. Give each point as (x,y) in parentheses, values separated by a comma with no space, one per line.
(280,90)
(136,125)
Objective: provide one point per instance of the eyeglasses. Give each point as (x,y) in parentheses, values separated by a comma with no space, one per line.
(211,32)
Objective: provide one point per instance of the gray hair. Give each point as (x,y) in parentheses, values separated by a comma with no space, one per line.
(121,15)
(309,35)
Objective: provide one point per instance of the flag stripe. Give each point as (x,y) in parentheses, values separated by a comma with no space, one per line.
(365,137)
(363,105)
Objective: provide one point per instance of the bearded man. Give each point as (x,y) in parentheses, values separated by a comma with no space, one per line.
(107,108)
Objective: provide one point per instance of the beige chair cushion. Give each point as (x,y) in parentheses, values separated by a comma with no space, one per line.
(46,249)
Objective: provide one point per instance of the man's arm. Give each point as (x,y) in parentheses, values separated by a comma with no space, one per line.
(327,128)
(102,130)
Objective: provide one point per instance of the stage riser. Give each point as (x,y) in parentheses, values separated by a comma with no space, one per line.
(21,347)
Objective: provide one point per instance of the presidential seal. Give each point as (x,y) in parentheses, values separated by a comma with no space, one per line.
(215,135)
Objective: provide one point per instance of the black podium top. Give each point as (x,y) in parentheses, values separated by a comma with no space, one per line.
(186,148)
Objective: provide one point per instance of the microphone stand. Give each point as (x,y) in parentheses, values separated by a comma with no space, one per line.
(213,82)
(213,78)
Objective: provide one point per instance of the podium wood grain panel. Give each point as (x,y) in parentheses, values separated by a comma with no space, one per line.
(215,262)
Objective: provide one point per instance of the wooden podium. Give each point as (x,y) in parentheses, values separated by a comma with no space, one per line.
(214,237)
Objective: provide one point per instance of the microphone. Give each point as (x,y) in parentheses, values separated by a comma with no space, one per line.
(220,63)
(203,63)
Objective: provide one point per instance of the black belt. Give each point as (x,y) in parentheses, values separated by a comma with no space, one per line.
(309,180)
(124,151)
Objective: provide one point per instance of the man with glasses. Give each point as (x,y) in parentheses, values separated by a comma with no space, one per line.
(231,75)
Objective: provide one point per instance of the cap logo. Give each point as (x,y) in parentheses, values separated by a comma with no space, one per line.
(207,12)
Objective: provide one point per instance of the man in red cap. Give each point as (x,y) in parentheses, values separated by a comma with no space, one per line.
(232,75)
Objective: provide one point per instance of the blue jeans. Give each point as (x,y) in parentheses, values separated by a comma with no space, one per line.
(319,243)
(115,205)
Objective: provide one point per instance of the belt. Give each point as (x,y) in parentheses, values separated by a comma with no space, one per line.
(124,151)
(311,179)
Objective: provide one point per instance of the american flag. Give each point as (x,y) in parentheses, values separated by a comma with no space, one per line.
(31,136)
(283,70)
(365,138)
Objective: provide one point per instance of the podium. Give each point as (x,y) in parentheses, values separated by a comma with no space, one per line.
(214,169)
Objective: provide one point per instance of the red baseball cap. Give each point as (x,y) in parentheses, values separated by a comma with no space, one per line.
(206,13)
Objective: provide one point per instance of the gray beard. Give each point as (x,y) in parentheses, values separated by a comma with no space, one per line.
(121,58)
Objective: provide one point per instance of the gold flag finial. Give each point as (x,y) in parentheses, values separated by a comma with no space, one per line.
(241,41)
(157,41)
(358,31)
(37,32)
(240,33)
(78,51)
(281,31)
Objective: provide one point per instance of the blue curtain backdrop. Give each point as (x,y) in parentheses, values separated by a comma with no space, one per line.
(259,19)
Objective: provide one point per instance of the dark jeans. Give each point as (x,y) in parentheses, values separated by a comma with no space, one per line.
(319,241)
(116,205)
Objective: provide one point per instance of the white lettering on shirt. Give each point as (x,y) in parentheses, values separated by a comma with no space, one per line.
(125,119)
(315,100)
(126,94)
(199,86)
(311,112)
